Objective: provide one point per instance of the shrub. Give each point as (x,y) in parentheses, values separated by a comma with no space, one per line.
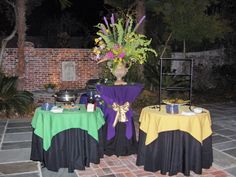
(12,100)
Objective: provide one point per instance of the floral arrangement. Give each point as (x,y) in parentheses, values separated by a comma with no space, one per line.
(118,42)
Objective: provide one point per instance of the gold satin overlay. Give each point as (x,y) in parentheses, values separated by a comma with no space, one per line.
(153,121)
(120,112)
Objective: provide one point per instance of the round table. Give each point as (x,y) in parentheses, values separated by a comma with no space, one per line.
(174,143)
(119,137)
(71,139)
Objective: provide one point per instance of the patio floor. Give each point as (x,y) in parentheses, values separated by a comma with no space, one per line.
(15,143)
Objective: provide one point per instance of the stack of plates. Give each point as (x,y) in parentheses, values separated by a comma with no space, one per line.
(198,110)
(55,109)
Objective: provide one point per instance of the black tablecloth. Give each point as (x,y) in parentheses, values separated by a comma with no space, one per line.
(72,149)
(173,152)
(119,145)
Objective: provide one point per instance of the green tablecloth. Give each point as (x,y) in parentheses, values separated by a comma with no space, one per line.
(47,124)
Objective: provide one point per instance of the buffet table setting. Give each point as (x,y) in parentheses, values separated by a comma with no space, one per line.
(173,143)
(71,138)
(68,135)
(172,138)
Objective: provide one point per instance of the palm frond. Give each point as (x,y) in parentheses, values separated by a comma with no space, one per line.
(12,100)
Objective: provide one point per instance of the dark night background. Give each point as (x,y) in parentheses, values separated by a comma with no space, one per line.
(50,26)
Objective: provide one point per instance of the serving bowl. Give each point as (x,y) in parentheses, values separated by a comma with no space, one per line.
(65,96)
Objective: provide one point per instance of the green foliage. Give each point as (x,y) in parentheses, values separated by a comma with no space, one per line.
(11,100)
(228,11)
(65,3)
(119,3)
(120,32)
(132,76)
(188,20)
(152,69)
(152,73)
(106,73)
(146,98)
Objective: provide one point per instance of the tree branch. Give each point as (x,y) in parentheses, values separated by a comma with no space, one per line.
(166,43)
(9,37)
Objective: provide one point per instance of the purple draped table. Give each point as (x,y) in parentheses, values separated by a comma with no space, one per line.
(120,139)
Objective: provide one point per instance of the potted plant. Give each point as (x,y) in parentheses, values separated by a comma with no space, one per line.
(50,87)
(120,46)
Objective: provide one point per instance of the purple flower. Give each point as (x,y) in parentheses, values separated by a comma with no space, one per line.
(112,19)
(140,21)
(106,22)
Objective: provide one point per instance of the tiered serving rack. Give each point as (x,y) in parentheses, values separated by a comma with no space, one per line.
(188,76)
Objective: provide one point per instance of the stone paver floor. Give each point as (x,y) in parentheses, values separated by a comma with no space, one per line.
(15,143)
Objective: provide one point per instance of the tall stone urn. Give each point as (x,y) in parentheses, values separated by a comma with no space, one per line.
(119,72)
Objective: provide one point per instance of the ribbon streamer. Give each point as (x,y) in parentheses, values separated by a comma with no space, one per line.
(120,112)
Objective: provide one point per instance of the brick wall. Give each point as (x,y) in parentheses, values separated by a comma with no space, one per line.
(44,65)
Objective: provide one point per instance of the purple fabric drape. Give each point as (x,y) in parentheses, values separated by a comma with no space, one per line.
(118,94)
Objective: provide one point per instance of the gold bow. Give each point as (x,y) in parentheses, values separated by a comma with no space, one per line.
(120,112)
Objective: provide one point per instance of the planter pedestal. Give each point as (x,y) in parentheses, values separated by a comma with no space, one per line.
(119,72)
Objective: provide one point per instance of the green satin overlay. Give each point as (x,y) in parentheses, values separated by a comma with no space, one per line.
(47,124)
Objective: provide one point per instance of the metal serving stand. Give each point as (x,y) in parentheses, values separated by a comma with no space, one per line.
(188,75)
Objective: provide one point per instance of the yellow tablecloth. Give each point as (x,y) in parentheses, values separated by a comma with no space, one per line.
(153,121)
